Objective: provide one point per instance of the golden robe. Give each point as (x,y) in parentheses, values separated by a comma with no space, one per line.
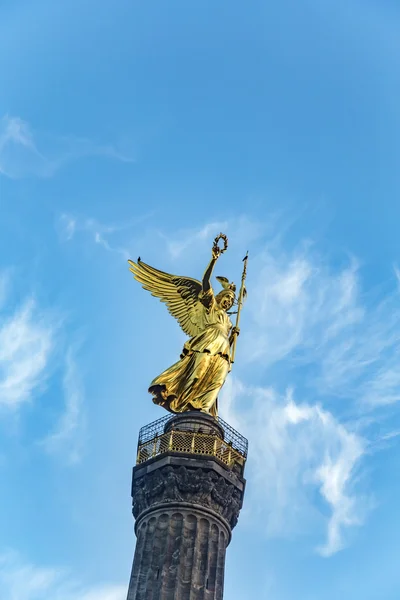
(193,383)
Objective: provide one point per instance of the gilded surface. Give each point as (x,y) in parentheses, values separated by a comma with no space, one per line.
(190,442)
(194,381)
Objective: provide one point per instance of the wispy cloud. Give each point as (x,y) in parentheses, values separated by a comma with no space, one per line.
(242,230)
(21,580)
(297,448)
(397,273)
(298,302)
(25,153)
(66,439)
(189,237)
(302,309)
(68,226)
(391,435)
(26,342)
(18,152)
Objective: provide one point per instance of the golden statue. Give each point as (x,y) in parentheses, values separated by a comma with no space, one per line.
(193,383)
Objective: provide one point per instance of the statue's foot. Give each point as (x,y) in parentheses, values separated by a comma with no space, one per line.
(158,391)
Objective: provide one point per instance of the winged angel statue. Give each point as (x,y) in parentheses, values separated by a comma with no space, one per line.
(193,383)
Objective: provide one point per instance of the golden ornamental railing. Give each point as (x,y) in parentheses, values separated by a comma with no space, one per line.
(189,442)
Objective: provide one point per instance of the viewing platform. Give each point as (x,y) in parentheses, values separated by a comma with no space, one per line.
(193,433)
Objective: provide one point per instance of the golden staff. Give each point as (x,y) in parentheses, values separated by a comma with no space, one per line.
(242,293)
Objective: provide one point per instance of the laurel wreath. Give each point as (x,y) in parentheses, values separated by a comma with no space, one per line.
(219,237)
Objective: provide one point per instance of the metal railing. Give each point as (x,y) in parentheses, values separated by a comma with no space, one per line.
(189,442)
(231,437)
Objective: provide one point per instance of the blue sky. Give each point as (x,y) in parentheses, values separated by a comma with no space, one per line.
(146,128)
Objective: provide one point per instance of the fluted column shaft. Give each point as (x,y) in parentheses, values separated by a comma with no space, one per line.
(179,555)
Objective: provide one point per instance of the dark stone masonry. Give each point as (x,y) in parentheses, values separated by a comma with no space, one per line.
(186,504)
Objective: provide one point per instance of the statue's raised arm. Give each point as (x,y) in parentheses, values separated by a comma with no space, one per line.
(193,383)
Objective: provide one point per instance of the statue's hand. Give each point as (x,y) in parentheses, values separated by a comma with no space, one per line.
(216,252)
(234,332)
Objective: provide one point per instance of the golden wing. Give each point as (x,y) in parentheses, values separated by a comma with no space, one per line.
(180,294)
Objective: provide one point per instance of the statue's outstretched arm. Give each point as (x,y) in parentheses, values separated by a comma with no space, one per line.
(208,272)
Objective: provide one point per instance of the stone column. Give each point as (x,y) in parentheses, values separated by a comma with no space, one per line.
(186,504)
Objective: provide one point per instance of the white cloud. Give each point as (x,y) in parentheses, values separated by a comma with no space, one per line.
(397,274)
(296,449)
(240,230)
(66,439)
(26,342)
(390,435)
(296,302)
(18,153)
(69,225)
(100,239)
(21,580)
(115,592)
(303,310)
(189,237)
(25,154)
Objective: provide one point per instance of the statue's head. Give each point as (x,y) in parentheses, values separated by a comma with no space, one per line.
(225,299)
